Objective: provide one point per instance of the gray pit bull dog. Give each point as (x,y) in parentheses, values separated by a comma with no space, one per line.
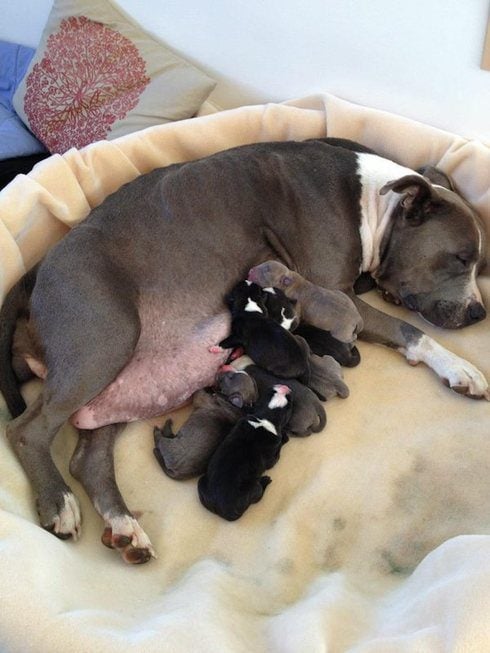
(119,317)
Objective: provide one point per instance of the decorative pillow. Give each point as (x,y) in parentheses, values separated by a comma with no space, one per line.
(15,139)
(97,74)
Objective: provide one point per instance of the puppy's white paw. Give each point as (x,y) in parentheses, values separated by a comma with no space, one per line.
(457,373)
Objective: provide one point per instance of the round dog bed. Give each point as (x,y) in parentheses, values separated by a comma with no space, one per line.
(374,534)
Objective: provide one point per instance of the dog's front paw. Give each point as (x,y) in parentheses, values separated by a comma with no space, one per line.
(125,534)
(61,517)
(455,372)
(465,379)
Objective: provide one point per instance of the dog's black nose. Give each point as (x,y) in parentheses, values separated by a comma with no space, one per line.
(475,312)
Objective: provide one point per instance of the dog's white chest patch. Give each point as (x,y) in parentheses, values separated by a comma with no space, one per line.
(376,209)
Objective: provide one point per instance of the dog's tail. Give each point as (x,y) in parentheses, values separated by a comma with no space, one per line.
(16,304)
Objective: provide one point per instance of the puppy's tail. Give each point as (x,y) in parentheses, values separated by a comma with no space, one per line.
(16,304)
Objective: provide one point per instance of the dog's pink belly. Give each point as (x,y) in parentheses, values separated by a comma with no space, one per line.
(167,367)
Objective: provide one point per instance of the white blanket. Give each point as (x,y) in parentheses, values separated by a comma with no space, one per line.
(374,535)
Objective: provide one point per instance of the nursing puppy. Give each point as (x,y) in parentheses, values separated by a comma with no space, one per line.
(235,476)
(331,310)
(280,308)
(264,340)
(307,413)
(187,453)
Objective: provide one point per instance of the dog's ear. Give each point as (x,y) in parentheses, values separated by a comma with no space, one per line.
(418,197)
(414,189)
(436,176)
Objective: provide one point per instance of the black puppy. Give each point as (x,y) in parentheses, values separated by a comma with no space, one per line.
(307,413)
(269,345)
(322,343)
(280,308)
(234,478)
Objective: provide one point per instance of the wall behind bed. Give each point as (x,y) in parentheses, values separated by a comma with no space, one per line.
(420,59)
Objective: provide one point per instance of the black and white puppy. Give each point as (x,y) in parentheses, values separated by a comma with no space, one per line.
(235,476)
(280,308)
(270,345)
(307,412)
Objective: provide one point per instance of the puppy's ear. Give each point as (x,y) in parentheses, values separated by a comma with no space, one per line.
(236,399)
(436,176)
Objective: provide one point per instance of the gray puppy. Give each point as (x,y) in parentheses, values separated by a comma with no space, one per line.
(331,310)
(326,378)
(187,453)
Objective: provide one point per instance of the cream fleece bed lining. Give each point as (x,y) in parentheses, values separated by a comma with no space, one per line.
(374,535)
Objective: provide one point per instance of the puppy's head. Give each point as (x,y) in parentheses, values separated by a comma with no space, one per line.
(280,308)
(237,386)
(246,296)
(271,273)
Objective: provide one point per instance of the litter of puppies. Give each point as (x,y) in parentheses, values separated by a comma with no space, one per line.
(275,390)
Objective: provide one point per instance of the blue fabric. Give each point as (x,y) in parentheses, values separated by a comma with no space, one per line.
(15,139)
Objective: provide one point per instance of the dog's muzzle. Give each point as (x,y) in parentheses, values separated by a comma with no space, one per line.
(452,315)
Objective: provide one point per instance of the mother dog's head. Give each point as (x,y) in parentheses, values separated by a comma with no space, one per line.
(436,247)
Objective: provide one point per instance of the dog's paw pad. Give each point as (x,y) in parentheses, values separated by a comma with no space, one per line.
(136,556)
(67,520)
(126,535)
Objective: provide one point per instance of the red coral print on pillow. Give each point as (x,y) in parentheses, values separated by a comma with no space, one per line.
(90,76)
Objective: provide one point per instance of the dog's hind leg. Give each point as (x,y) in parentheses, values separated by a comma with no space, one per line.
(31,436)
(92,465)
(455,372)
(88,332)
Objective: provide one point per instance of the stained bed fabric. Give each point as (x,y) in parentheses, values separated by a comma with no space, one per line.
(374,535)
